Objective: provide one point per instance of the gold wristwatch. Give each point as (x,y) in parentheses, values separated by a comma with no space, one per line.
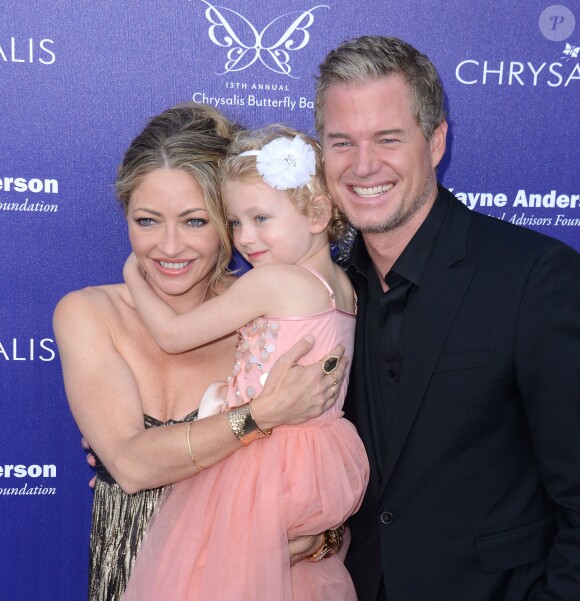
(331,544)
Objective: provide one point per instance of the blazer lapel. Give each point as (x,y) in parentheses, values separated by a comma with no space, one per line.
(440,295)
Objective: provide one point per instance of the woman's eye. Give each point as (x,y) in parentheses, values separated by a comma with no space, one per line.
(261,218)
(145,221)
(234,223)
(196,222)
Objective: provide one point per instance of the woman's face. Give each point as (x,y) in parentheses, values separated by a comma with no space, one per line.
(171,234)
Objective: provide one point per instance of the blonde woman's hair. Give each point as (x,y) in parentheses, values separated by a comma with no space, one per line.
(191,137)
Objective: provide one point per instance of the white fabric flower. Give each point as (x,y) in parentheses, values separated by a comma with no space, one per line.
(286,164)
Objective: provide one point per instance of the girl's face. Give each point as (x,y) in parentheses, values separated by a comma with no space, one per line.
(266,225)
(170,232)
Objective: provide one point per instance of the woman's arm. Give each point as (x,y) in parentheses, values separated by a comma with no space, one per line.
(106,404)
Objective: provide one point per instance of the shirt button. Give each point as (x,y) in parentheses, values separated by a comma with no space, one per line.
(387,517)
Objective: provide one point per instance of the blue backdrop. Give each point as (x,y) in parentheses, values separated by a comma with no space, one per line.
(79,80)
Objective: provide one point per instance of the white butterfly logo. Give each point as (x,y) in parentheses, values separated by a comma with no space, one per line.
(571,51)
(271,46)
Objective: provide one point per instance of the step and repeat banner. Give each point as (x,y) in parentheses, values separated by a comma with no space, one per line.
(80,79)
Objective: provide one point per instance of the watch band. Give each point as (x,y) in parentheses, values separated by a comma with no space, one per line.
(244,425)
(331,544)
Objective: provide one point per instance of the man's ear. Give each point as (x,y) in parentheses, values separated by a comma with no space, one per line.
(320,212)
(438,143)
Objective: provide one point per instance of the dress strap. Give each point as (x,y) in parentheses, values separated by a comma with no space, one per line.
(324,283)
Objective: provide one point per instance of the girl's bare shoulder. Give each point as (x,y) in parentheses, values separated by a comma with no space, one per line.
(344,292)
(290,289)
(276,274)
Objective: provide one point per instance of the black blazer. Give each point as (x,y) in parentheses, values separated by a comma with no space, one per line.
(480,491)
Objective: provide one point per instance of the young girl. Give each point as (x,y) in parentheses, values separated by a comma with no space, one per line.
(224,533)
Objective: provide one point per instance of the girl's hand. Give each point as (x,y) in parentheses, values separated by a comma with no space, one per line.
(131,268)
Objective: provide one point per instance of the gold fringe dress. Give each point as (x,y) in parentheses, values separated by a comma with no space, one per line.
(119,522)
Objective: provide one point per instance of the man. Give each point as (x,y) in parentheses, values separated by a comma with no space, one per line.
(466,379)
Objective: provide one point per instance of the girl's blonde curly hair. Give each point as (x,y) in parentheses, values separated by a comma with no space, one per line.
(306,199)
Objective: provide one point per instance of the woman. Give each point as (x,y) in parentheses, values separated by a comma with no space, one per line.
(120,384)
(302,479)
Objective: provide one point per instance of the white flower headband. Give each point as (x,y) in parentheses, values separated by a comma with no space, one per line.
(285,164)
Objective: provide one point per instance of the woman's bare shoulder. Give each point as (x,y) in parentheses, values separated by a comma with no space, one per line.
(105,300)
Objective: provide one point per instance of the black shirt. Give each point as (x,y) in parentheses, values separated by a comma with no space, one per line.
(389,316)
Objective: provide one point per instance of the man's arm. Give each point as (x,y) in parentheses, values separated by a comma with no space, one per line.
(548,372)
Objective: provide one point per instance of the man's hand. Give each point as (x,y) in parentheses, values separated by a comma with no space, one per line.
(90,461)
(304,546)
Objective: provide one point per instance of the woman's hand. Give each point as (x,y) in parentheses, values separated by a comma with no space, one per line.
(296,393)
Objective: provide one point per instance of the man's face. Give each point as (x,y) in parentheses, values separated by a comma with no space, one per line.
(379,167)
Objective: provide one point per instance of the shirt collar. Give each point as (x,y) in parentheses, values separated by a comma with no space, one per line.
(412,261)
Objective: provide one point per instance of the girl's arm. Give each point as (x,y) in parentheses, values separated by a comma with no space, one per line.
(245,300)
(157,315)
(106,404)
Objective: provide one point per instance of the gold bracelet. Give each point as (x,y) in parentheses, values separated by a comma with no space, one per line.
(331,544)
(244,425)
(193,459)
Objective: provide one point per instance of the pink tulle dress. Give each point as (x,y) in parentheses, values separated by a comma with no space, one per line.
(222,535)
